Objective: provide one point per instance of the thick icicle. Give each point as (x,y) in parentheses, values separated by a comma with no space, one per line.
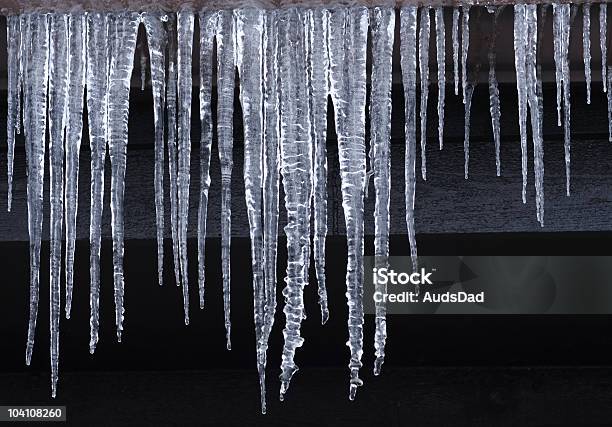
(13,40)
(58,109)
(185,24)
(208,26)
(494,106)
(249,54)
(441,59)
(157,40)
(424,30)
(348,39)
(126,31)
(296,165)
(561,22)
(383,28)
(465,46)
(586,47)
(270,172)
(469,91)
(603,42)
(172,149)
(74,133)
(36,68)
(456,48)
(408,19)
(520,36)
(534,107)
(98,52)
(318,66)
(225,128)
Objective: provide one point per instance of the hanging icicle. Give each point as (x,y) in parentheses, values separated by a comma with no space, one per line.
(520,34)
(455,34)
(603,42)
(465,46)
(441,60)
(424,30)
(13,41)
(586,48)
(494,105)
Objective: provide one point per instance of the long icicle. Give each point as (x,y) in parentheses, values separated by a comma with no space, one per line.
(74,134)
(208,25)
(270,173)
(225,128)
(383,29)
(520,34)
(441,60)
(249,54)
(185,25)
(603,42)
(348,40)
(35,60)
(296,164)
(455,34)
(609,96)
(408,19)
(13,39)
(98,45)
(586,48)
(424,30)
(157,41)
(318,66)
(465,46)
(58,109)
(494,105)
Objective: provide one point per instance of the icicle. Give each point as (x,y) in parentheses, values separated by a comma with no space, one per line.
(534,107)
(586,47)
(383,27)
(185,24)
(441,59)
(558,55)
(609,75)
(58,109)
(74,133)
(172,148)
(225,128)
(126,31)
(465,45)
(318,28)
(348,40)
(249,54)
(296,165)
(270,173)
(603,43)
(143,67)
(494,106)
(456,48)
(408,58)
(469,91)
(157,41)
(520,35)
(424,30)
(13,38)
(35,60)
(208,26)
(98,51)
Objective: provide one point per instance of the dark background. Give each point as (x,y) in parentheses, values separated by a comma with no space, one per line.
(439,370)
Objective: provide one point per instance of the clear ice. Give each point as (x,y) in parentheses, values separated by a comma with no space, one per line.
(441,60)
(424,30)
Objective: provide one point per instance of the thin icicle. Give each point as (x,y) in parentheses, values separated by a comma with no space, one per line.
(383,28)
(208,26)
(465,45)
(126,32)
(296,165)
(318,29)
(171,106)
(98,46)
(35,60)
(185,24)
(424,30)
(603,42)
(157,41)
(270,172)
(456,48)
(586,47)
(609,75)
(441,59)
(520,36)
(225,127)
(74,133)
(249,54)
(13,39)
(469,91)
(408,18)
(58,109)
(143,67)
(558,55)
(494,106)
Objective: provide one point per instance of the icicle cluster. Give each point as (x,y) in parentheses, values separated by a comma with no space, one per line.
(289,61)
